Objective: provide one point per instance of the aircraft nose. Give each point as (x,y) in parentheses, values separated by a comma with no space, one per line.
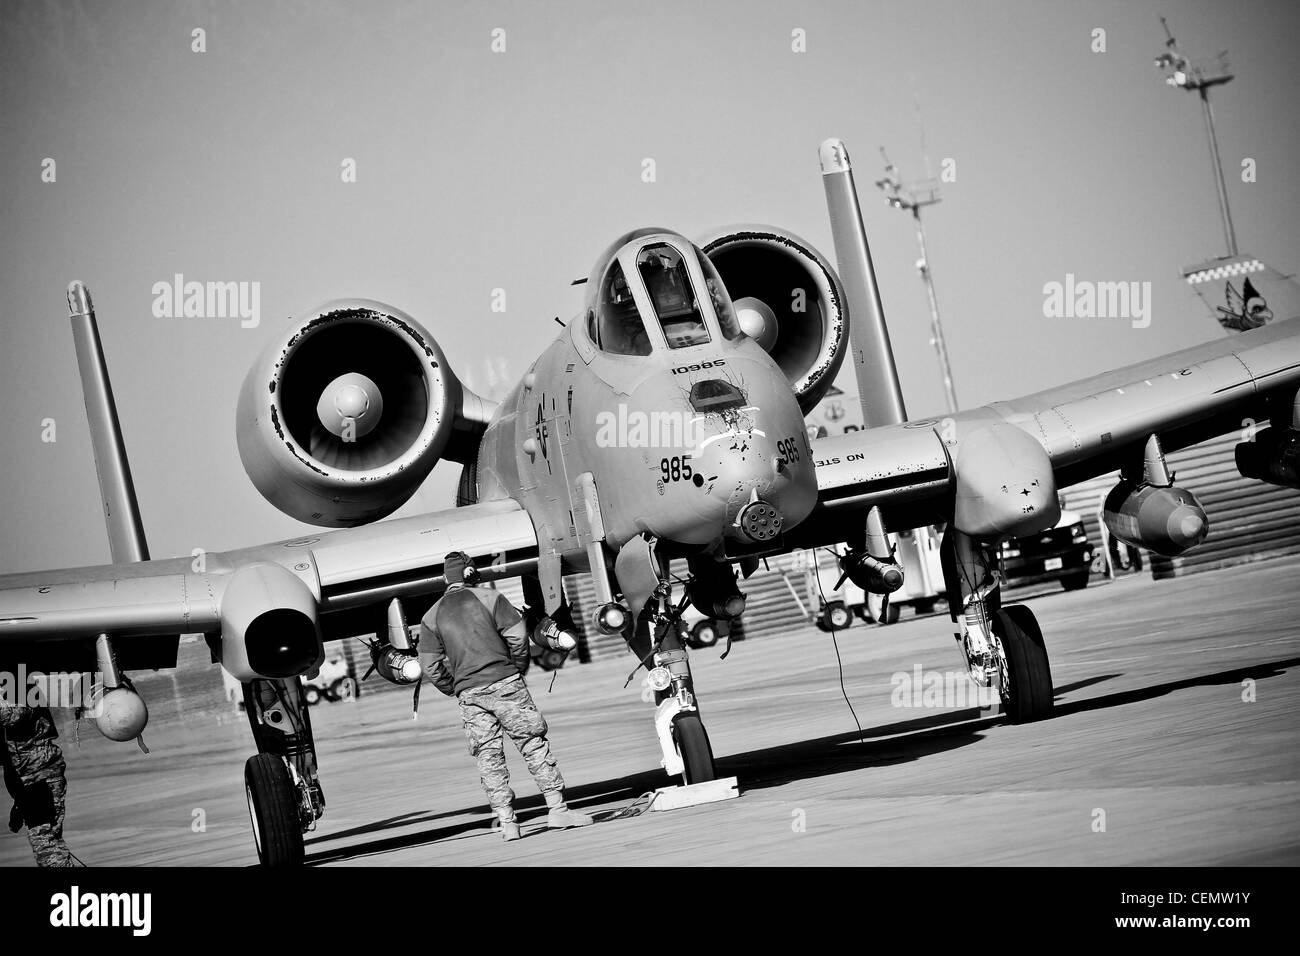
(745,482)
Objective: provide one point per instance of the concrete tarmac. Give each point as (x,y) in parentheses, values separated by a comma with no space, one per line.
(1174,742)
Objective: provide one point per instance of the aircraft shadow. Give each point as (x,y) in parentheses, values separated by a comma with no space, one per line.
(1120,698)
(1059,692)
(884,745)
(758,769)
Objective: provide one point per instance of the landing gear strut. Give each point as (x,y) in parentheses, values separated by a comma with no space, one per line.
(1002,646)
(284,794)
(656,641)
(682,736)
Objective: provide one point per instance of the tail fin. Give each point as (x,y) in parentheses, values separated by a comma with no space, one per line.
(121,511)
(1242,292)
(873,357)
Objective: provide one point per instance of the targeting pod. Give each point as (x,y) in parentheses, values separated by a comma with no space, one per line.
(1165,520)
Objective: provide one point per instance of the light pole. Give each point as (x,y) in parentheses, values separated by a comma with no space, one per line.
(1183,74)
(913,198)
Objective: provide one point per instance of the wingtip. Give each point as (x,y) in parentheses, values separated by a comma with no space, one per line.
(78,298)
(834,156)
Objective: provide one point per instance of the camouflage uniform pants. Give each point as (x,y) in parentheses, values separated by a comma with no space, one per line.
(43,810)
(506,708)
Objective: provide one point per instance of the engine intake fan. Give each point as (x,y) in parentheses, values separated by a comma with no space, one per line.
(341,419)
(788,299)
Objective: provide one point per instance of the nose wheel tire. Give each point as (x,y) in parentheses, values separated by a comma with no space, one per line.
(693,744)
(1027,679)
(273,809)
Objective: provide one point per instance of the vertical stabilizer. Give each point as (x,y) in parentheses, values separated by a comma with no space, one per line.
(873,357)
(1243,292)
(121,512)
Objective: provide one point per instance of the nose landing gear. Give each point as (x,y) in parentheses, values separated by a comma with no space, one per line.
(656,640)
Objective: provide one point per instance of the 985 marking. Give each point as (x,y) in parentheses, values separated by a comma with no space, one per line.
(788,449)
(676,468)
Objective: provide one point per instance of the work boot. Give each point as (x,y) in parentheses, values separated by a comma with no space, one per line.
(560,816)
(509,825)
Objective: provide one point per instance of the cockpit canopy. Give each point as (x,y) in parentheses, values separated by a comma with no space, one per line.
(656,289)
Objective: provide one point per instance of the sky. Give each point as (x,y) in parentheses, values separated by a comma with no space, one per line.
(479,170)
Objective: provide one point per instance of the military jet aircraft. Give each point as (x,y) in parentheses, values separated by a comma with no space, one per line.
(665,421)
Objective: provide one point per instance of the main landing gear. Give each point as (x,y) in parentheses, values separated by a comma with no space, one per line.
(1002,646)
(280,782)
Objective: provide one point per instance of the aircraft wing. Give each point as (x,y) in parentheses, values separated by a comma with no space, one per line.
(347,569)
(1087,428)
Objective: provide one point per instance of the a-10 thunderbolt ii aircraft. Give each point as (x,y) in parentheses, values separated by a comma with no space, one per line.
(664,422)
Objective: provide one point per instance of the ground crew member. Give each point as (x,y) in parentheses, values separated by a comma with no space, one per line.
(474,645)
(34,776)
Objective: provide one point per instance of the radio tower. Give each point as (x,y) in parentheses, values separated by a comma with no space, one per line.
(1183,74)
(914,197)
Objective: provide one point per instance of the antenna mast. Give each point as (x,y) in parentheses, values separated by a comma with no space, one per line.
(913,198)
(1183,74)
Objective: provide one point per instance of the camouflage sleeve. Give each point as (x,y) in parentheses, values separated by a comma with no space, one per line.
(510,625)
(10,715)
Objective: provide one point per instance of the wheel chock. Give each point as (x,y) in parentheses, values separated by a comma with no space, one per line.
(695,794)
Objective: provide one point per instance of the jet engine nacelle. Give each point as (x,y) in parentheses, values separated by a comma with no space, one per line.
(1165,520)
(1274,457)
(788,299)
(268,624)
(341,419)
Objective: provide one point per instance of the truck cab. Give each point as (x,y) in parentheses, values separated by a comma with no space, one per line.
(1062,553)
